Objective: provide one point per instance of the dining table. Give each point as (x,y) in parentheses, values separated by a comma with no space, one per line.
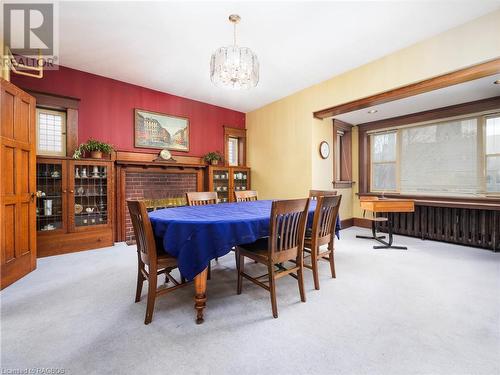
(195,235)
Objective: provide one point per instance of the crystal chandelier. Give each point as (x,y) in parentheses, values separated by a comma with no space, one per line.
(233,66)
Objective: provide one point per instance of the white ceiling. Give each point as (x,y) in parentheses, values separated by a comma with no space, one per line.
(456,94)
(167,45)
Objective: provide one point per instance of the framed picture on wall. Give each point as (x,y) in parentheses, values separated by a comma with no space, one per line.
(158,130)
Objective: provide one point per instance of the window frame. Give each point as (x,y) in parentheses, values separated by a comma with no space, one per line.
(396,162)
(241,135)
(342,153)
(481,150)
(61,103)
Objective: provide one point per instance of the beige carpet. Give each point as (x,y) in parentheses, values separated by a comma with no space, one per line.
(434,309)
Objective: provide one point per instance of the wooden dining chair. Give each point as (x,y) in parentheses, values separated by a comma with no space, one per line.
(151,263)
(245,196)
(201,198)
(314,194)
(323,233)
(285,243)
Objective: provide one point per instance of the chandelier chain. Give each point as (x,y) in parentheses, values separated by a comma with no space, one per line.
(234,33)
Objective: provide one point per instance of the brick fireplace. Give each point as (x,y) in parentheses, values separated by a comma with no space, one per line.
(155,187)
(159,183)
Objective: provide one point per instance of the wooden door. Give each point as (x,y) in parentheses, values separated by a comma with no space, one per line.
(17,177)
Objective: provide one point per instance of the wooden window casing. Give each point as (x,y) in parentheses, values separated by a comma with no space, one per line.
(342,152)
(241,136)
(66,104)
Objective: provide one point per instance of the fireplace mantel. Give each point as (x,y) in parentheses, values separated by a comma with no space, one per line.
(147,160)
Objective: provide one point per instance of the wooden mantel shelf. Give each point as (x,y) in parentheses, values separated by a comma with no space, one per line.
(158,164)
(146,160)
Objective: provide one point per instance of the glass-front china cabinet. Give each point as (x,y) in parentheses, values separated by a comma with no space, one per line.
(226,180)
(74,200)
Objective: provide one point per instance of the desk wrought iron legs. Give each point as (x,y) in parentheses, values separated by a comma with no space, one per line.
(388,245)
(374,234)
(200,298)
(385,245)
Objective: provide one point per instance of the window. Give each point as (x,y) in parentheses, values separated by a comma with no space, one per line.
(232,151)
(342,162)
(235,146)
(493,154)
(440,158)
(51,132)
(456,157)
(384,161)
(338,155)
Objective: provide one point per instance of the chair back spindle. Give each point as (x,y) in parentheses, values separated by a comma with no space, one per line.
(143,230)
(288,225)
(245,196)
(325,219)
(201,198)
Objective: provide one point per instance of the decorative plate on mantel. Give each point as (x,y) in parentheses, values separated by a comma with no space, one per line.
(165,155)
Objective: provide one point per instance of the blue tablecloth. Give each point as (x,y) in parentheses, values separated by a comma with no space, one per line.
(196,235)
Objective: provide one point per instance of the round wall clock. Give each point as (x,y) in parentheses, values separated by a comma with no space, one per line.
(324,149)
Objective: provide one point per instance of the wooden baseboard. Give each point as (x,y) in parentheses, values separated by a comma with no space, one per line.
(347,223)
(362,222)
(64,243)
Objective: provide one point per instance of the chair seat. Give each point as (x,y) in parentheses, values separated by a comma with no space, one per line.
(166,261)
(255,250)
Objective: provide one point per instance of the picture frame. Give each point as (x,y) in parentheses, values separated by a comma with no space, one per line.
(160,131)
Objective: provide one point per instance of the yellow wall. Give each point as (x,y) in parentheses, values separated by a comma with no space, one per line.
(284,137)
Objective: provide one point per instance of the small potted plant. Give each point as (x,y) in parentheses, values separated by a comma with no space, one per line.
(213,157)
(94,147)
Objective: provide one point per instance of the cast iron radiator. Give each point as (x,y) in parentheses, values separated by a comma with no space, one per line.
(465,226)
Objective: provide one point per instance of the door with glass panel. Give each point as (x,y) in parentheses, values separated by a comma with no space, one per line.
(90,194)
(218,181)
(51,186)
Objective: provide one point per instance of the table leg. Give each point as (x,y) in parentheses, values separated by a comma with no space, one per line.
(200,298)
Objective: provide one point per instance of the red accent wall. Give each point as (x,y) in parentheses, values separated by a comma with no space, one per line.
(107,109)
